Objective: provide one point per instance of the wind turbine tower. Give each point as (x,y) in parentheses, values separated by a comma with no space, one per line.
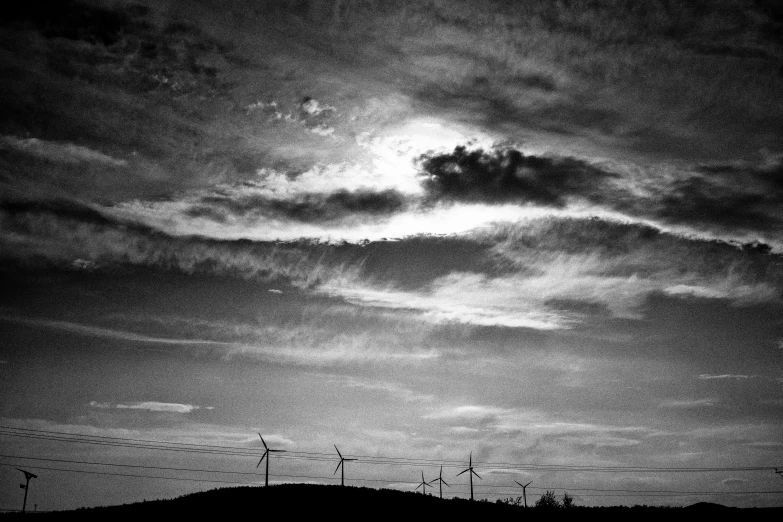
(423,484)
(267,451)
(524,488)
(470,468)
(26,486)
(441,482)
(341,466)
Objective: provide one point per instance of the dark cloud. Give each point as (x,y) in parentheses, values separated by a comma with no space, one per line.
(738,196)
(685,79)
(57,209)
(70,19)
(700,201)
(339,204)
(508,175)
(768,174)
(304,207)
(132,81)
(415,262)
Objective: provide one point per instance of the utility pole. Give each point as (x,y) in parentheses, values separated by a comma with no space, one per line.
(26,486)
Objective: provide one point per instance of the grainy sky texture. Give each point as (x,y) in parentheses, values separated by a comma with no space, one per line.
(547,233)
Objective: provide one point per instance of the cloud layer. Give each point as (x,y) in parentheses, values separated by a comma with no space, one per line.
(154,406)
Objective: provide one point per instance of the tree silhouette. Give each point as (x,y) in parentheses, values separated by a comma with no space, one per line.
(548,500)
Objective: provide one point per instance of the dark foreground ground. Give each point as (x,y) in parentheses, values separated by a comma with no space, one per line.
(318,502)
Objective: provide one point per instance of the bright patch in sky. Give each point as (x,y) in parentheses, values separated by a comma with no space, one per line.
(517,232)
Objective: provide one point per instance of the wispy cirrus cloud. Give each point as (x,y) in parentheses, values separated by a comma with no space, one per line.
(394,389)
(304,345)
(64,232)
(599,441)
(107,333)
(59,152)
(385,215)
(270,438)
(481,420)
(461,298)
(544,293)
(192,432)
(542,267)
(725,376)
(734,481)
(688,403)
(154,406)
(471,412)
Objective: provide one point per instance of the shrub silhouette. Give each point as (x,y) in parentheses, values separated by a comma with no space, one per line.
(548,500)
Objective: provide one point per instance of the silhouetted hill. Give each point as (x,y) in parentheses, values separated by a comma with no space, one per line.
(319,502)
(708,506)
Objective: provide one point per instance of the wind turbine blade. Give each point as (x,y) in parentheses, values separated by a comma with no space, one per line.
(476,474)
(447,484)
(461,472)
(338,451)
(441,471)
(519,484)
(350,459)
(278,451)
(262,459)
(337,468)
(27,473)
(526,485)
(263,442)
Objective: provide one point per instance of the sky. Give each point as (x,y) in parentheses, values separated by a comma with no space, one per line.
(544,236)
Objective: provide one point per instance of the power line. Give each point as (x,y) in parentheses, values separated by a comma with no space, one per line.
(322,477)
(364,459)
(78,440)
(506,492)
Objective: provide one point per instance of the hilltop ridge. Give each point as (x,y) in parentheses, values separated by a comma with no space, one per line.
(358,503)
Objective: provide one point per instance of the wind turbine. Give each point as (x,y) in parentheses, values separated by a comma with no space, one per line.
(524,488)
(26,486)
(441,481)
(266,455)
(341,466)
(470,468)
(423,484)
